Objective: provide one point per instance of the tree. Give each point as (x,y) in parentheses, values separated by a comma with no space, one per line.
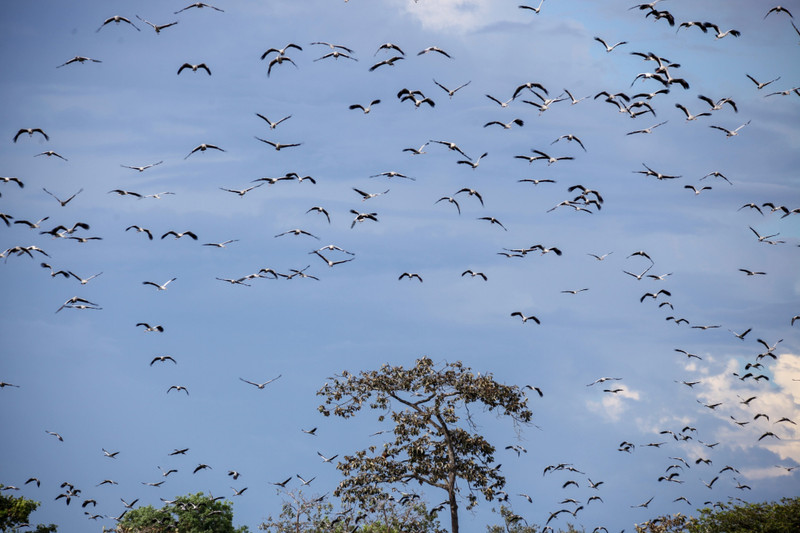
(302,515)
(15,511)
(768,517)
(194,513)
(429,446)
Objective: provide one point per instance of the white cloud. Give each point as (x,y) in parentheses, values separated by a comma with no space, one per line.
(614,405)
(455,15)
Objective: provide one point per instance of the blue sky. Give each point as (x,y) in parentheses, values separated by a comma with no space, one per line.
(85,373)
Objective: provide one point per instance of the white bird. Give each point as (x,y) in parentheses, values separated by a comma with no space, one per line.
(220,244)
(194,68)
(731,133)
(261,385)
(647,130)
(276,145)
(451,92)
(84,281)
(501,104)
(272,125)
(367,196)
(117,19)
(689,116)
(79,59)
(761,85)
(30,132)
(142,168)
(296,231)
(609,48)
(242,192)
(525,318)
(157,286)
(534,9)
(157,27)
(434,49)
(696,190)
(365,109)
(203,147)
(199,5)
(148,327)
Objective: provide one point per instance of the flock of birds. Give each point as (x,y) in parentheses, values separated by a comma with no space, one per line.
(539,96)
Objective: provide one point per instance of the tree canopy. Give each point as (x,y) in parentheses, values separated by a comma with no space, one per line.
(435,439)
(194,513)
(15,512)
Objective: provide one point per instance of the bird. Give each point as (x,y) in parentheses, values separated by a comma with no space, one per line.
(473,274)
(531,8)
(220,244)
(570,137)
(327,459)
(281,51)
(501,104)
(493,220)
(392,174)
(336,54)
(261,385)
(199,5)
(111,455)
(505,125)
(74,301)
(574,291)
(148,327)
(654,295)
(162,359)
(311,431)
(716,106)
(278,146)
(550,159)
(157,286)
(471,192)
(536,181)
(51,153)
(721,34)
(474,164)
(157,27)
(647,130)
(751,272)
(765,238)
(601,257)
(329,262)
(184,389)
(140,229)
(361,217)
(731,133)
(451,92)
(56,435)
(142,168)
(690,116)
(778,9)
(416,151)
(451,200)
(117,19)
(242,192)
(696,190)
(607,47)
(203,147)
(639,276)
(367,196)
(320,210)
(30,132)
(363,108)
(410,276)
(434,49)
(79,59)
(31,225)
(525,318)
(761,85)
(390,62)
(122,192)
(181,234)
(297,231)
(82,280)
(278,60)
(272,125)
(201,66)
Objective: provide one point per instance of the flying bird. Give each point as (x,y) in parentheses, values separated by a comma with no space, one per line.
(276,145)
(199,5)
(607,47)
(182,234)
(260,385)
(157,286)
(117,19)
(30,132)
(203,147)
(363,108)
(157,27)
(162,359)
(731,133)
(79,59)
(761,85)
(410,276)
(201,66)
(525,318)
(184,389)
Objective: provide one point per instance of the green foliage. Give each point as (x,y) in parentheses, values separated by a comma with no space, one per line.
(514,523)
(768,517)
(15,511)
(194,513)
(431,445)
(299,514)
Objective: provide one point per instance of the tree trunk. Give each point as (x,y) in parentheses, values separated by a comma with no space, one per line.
(453,512)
